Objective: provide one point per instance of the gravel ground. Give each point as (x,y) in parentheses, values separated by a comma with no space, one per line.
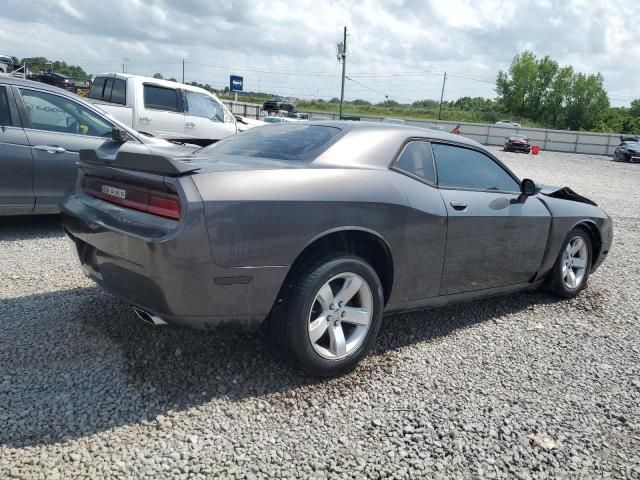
(524,386)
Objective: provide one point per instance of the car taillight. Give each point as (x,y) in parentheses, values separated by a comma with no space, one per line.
(164,204)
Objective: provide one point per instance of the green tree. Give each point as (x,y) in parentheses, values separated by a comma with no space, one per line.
(587,102)
(516,87)
(158,76)
(541,90)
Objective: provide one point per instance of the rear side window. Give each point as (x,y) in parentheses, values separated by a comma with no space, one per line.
(417,159)
(161,98)
(119,91)
(468,169)
(106,94)
(5,114)
(97,87)
(287,142)
(60,114)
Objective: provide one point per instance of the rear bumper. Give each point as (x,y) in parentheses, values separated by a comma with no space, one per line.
(171,276)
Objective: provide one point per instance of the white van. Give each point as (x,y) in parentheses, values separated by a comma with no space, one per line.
(165,109)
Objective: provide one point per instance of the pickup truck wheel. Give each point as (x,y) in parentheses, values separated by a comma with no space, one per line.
(571,270)
(331,315)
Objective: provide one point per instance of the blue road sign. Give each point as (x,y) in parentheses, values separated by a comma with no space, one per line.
(235,83)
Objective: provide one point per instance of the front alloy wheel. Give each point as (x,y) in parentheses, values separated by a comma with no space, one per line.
(574,262)
(571,270)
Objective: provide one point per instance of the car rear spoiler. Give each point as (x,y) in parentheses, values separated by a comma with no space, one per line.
(140,162)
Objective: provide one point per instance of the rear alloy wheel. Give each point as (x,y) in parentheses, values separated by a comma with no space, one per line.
(570,273)
(340,316)
(330,315)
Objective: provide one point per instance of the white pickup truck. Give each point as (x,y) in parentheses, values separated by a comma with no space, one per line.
(165,109)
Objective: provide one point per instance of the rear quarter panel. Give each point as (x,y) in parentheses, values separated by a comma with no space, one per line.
(266,218)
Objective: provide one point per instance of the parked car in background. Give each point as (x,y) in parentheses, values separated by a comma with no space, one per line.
(57,80)
(323,226)
(277,119)
(6,64)
(517,143)
(628,150)
(508,123)
(276,104)
(170,110)
(42,130)
(394,121)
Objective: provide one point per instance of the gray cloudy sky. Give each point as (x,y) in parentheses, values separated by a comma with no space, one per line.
(289,47)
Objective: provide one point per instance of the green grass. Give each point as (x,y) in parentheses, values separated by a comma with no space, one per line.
(399,111)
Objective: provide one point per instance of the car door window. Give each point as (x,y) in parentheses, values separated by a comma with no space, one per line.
(5,113)
(56,113)
(200,105)
(468,169)
(417,159)
(161,98)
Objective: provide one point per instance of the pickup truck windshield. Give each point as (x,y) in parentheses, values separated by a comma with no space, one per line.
(286,142)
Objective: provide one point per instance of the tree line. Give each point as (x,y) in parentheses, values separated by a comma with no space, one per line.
(534,91)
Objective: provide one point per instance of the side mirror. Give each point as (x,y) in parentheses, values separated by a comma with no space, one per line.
(118,135)
(529,188)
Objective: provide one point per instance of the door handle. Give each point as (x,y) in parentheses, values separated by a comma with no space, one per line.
(145,119)
(50,148)
(190,124)
(460,206)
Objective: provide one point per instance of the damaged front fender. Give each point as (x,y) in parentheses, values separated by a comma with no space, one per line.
(565,193)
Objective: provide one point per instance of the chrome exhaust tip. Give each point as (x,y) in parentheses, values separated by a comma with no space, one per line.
(146,317)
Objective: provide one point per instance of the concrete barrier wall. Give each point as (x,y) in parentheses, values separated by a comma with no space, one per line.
(557,140)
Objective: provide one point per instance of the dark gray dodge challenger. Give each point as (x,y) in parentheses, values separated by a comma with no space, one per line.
(320,227)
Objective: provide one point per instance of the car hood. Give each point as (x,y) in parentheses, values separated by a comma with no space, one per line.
(245,123)
(565,193)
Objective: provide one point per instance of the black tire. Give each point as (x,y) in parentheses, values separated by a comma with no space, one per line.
(557,284)
(289,322)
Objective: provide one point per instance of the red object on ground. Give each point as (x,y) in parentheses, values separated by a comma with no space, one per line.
(535,149)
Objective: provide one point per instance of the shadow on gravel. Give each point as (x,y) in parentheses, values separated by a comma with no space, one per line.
(25,227)
(77,362)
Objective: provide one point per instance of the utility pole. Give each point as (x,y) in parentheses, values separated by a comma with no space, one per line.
(124,65)
(342,56)
(183,70)
(444,80)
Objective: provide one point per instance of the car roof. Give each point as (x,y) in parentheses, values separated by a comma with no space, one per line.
(21,82)
(57,74)
(375,144)
(158,81)
(394,128)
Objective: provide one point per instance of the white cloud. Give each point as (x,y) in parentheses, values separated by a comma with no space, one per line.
(474,37)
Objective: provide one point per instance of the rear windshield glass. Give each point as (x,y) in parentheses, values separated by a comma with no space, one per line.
(97,87)
(281,142)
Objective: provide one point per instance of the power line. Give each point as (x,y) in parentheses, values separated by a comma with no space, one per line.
(367,87)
